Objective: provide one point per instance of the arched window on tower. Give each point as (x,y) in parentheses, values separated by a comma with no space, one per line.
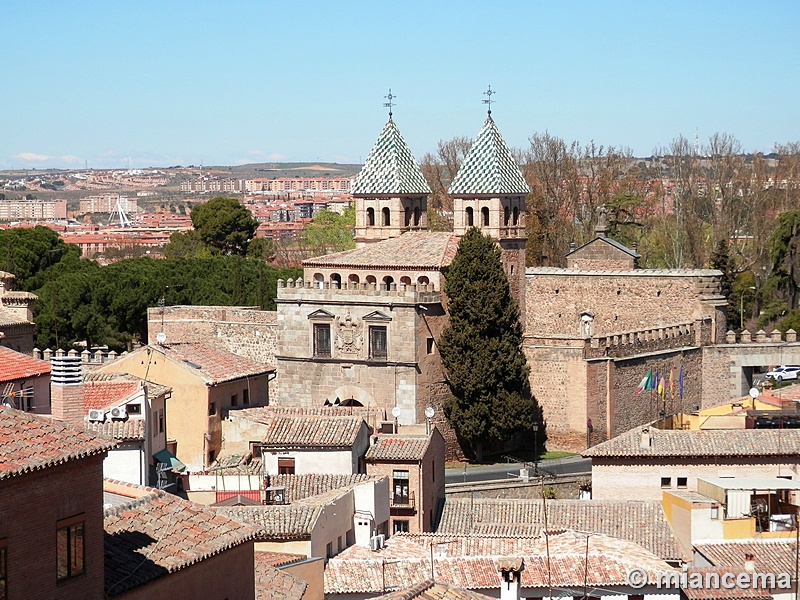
(416,216)
(423,280)
(506,216)
(405,280)
(336,280)
(386,217)
(516,216)
(485,216)
(319,280)
(388,280)
(353,279)
(371,279)
(408,216)
(470,216)
(370,217)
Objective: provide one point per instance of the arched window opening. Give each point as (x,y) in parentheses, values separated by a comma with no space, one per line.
(485,216)
(405,280)
(371,279)
(370,217)
(416,216)
(336,280)
(353,278)
(388,280)
(506,216)
(470,217)
(319,280)
(408,216)
(516,216)
(423,280)
(386,217)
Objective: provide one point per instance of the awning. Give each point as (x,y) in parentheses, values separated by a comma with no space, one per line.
(168,458)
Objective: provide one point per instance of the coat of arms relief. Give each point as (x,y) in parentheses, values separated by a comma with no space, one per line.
(348,335)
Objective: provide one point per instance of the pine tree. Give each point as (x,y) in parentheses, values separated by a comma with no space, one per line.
(481,349)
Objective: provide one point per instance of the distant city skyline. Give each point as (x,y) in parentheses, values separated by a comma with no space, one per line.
(140,84)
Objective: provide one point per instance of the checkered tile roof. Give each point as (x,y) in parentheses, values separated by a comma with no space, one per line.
(390,168)
(489,168)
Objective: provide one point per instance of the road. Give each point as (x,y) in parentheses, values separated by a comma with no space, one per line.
(559,466)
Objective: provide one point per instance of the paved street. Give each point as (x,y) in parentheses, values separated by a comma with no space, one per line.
(558,466)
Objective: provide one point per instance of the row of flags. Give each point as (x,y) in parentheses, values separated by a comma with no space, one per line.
(662,383)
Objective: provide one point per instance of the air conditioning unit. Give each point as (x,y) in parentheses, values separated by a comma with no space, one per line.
(118,412)
(381,540)
(97,415)
(374,543)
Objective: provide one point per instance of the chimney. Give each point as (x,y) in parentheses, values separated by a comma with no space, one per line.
(646,441)
(511,574)
(749,563)
(66,389)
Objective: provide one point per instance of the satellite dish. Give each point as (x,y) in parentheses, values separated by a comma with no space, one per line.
(754,393)
(161,337)
(429,412)
(396,412)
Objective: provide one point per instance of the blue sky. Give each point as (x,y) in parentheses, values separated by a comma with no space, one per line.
(198,82)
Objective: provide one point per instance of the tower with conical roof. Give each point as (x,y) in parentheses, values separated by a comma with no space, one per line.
(489,193)
(390,191)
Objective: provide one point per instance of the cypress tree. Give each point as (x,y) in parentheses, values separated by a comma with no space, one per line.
(481,349)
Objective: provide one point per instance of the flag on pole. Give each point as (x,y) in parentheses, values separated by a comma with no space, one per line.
(671,384)
(661,387)
(680,382)
(644,383)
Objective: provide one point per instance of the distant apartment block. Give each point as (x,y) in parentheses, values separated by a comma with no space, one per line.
(328,185)
(107,203)
(36,210)
(208,184)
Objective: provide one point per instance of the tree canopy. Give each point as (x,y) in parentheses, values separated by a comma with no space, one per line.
(330,232)
(481,349)
(221,226)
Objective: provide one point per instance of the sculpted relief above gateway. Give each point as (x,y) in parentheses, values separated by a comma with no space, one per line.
(348,335)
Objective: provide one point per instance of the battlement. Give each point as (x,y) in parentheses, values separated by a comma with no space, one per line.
(310,290)
(653,339)
(98,357)
(761,337)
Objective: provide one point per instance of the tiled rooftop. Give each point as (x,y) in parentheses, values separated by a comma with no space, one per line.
(20,366)
(282,522)
(428,590)
(771,556)
(158,533)
(720,592)
(390,168)
(628,273)
(426,250)
(642,523)
(130,429)
(101,390)
(489,167)
(301,487)
(407,558)
(274,584)
(304,431)
(29,442)
(214,365)
(278,559)
(690,443)
(398,447)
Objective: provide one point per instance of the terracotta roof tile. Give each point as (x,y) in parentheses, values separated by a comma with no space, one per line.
(278,559)
(274,584)
(101,394)
(158,533)
(212,364)
(29,442)
(414,250)
(130,429)
(642,523)
(712,593)
(770,556)
(684,443)
(398,447)
(304,431)
(428,590)
(301,487)
(20,366)
(471,564)
(283,522)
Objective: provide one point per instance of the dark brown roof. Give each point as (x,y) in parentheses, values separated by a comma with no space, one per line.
(398,447)
(157,533)
(29,442)
(274,584)
(690,443)
(640,522)
(212,364)
(304,431)
(412,250)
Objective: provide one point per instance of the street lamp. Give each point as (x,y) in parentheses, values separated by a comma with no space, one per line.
(536,449)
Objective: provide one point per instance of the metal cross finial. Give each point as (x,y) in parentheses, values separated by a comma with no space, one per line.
(489,100)
(389,104)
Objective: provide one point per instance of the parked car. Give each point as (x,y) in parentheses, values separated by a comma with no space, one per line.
(784,373)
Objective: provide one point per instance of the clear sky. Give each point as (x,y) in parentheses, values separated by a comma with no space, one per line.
(171,82)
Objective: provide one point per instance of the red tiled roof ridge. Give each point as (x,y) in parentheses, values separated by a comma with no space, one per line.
(21,366)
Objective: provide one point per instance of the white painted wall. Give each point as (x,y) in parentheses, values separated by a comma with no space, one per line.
(125,464)
(335,462)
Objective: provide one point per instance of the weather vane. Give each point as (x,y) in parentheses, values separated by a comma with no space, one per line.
(489,100)
(389,104)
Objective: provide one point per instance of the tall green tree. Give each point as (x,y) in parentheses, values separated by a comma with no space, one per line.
(330,232)
(785,255)
(224,225)
(481,349)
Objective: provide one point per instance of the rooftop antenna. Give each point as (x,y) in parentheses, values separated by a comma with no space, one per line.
(696,142)
(489,100)
(389,104)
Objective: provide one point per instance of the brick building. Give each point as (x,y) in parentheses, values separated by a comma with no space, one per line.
(16,316)
(414,465)
(51,509)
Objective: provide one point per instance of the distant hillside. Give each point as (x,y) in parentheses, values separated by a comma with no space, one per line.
(272,170)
